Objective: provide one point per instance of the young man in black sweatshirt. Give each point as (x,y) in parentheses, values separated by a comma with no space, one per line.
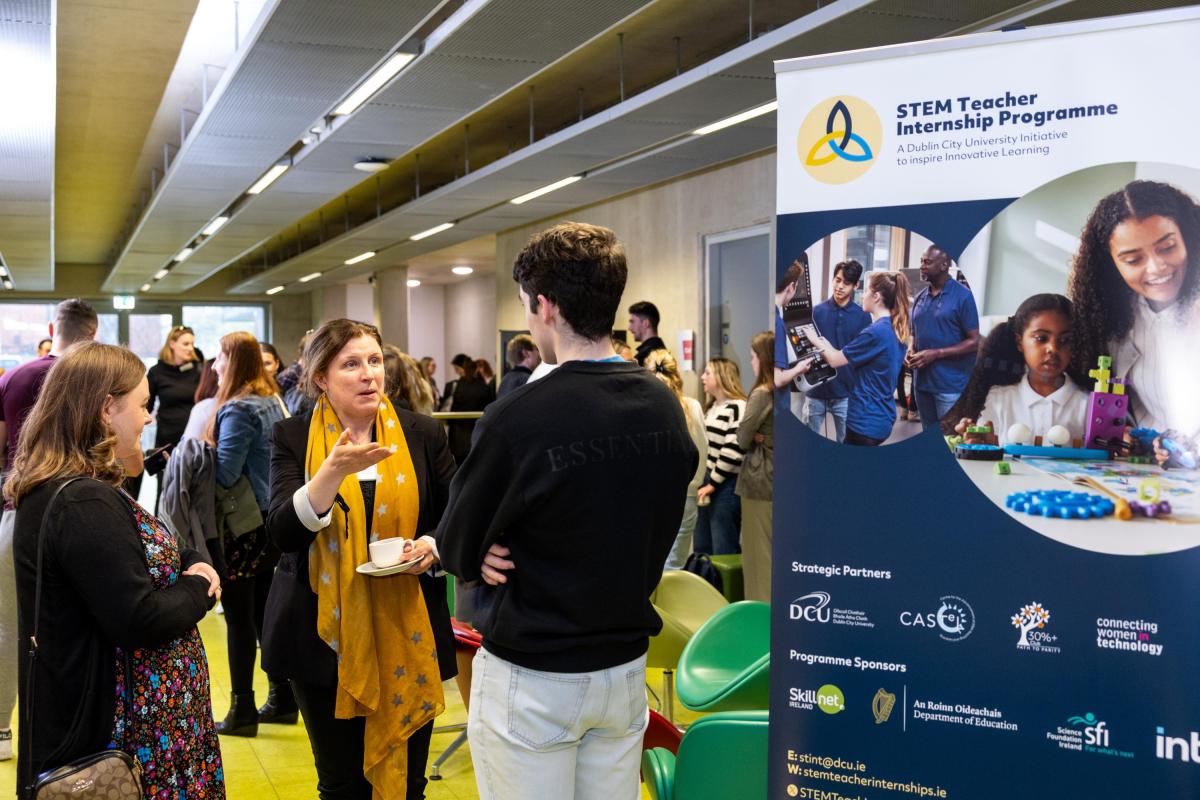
(566,507)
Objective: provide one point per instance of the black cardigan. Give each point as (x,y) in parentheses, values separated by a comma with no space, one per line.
(175,389)
(96,595)
(291,647)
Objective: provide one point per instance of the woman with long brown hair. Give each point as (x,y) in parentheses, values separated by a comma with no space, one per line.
(366,654)
(247,408)
(756,436)
(121,663)
(876,355)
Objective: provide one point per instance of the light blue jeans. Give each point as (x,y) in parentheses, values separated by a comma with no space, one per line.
(683,540)
(561,735)
(818,409)
(932,406)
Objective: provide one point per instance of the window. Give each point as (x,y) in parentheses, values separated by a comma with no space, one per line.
(109,330)
(212,322)
(147,333)
(22,326)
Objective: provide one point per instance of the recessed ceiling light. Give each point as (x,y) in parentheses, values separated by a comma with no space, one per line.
(275,290)
(314,129)
(445,226)
(462,270)
(374,83)
(145,287)
(413,283)
(162,273)
(8,284)
(372,164)
(312,276)
(185,254)
(269,177)
(358,259)
(215,225)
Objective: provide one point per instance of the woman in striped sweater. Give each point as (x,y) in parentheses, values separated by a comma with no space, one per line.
(718,527)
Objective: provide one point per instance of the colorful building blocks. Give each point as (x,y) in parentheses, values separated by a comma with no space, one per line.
(979,452)
(1003,468)
(1108,411)
(981,434)
(1060,503)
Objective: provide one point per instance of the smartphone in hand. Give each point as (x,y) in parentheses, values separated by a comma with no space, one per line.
(155,460)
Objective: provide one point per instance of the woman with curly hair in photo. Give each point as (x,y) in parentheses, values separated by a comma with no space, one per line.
(1133,285)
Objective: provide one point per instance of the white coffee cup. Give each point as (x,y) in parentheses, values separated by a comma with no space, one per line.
(388,552)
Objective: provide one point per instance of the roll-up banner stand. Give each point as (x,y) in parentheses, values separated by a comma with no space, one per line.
(1000,598)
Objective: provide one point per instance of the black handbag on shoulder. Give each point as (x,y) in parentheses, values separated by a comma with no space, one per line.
(106,775)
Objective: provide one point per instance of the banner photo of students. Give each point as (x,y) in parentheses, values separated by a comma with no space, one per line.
(985,567)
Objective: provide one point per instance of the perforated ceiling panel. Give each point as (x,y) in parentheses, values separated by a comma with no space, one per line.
(294,66)
(498,48)
(27,142)
(728,84)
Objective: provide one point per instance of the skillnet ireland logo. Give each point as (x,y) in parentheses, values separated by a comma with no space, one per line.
(838,139)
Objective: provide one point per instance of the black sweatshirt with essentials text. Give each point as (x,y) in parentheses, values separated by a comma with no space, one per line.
(581,474)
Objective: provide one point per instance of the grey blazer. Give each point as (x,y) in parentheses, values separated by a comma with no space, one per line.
(757,477)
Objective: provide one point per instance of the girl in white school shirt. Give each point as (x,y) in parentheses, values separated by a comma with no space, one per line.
(1023,375)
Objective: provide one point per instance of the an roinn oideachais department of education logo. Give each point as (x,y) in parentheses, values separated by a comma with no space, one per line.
(839,139)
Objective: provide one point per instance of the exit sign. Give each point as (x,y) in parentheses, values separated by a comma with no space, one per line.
(123,302)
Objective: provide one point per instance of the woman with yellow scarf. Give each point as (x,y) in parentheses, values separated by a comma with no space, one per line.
(366,655)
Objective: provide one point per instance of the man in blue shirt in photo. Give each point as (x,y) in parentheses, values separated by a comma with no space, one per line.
(839,319)
(945,338)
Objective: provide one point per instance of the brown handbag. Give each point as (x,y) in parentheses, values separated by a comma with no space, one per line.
(107,775)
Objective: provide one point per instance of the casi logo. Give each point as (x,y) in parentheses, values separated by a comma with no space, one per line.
(812,607)
(1095,732)
(1170,747)
(838,139)
(954,619)
(830,699)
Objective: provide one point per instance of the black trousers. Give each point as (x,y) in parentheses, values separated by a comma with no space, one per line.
(860,440)
(245,602)
(337,746)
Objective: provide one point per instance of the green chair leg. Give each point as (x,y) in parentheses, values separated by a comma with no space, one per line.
(658,772)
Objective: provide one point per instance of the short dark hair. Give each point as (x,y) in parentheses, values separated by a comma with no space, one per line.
(520,347)
(794,272)
(75,320)
(851,271)
(581,268)
(646,310)
(465,363)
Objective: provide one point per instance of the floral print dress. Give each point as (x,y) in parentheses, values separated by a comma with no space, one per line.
(169,728)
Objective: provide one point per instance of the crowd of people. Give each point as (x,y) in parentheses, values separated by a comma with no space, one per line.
(276,482)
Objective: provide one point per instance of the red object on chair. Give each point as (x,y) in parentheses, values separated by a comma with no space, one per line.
(661,733)
(466,640)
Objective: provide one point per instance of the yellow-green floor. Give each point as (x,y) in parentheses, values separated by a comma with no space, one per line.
(277,764)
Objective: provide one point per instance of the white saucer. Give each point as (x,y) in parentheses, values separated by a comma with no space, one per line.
(369,568)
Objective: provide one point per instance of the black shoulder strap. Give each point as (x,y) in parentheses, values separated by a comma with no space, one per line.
(27,706)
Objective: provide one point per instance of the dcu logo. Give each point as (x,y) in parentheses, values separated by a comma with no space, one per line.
(838,139)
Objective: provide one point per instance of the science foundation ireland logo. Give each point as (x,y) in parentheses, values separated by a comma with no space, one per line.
(838,139)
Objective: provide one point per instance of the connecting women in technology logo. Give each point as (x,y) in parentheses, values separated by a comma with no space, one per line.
(839,139)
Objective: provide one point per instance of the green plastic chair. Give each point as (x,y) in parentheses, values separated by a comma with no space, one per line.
(726,665)
(722,756)
(730,569)
(685,602)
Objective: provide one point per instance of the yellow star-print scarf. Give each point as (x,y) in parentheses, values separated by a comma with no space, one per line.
(379,627)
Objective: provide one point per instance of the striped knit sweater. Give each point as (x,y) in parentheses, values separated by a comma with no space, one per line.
(721,426)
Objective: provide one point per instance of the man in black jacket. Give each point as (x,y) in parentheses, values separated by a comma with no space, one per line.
(523,358)
(566,509)
(643,324)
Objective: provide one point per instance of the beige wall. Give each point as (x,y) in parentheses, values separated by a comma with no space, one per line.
(662,228)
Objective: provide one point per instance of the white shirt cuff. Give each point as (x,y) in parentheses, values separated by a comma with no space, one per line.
(304,510)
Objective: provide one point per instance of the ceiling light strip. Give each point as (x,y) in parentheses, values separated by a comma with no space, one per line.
(436,229)
(358,259)
(737,119)
(374,83)
(215,225)
(269,177)
(525,198)
(275,290)
(312,276)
